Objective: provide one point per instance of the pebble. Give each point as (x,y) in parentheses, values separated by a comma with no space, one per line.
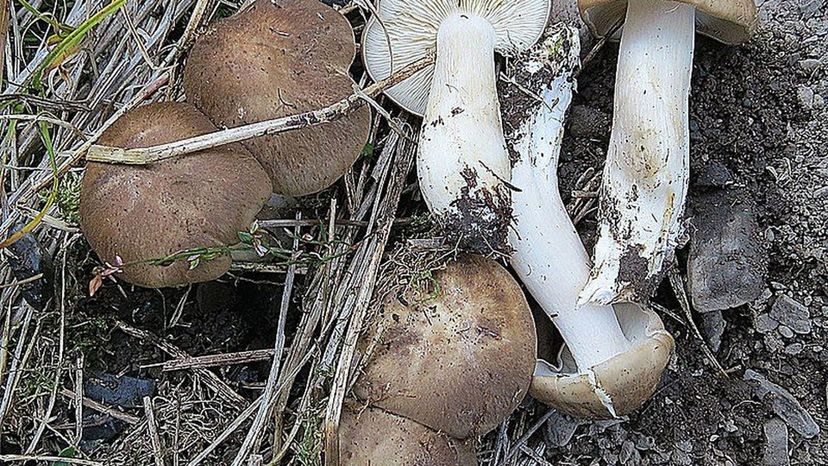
(776,443)
(764,323)
(728,261)
(794,348)
(810,64)
(819,102)
(30,258)
(783,404)
(712,327)
(786,331)
(806,96)
(791,313)
(559,429)
(713,175)
(628,453)
(645,442)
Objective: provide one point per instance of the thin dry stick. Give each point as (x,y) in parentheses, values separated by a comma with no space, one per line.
(678,288)
(4,27)
(404,159)
(143,156)
(227,432)
(521,442)
(152,428)
(79,399)
(48,459)
(101,408)
(213,360)
(212,380)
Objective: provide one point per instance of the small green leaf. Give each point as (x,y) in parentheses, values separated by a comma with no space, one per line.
(245,237)
(68,452)
(367,150)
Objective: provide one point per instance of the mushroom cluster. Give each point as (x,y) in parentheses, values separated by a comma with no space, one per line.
(455,357)
(280,58)
(446,363)
(274,59)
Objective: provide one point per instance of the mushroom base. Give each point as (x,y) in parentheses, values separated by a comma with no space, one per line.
(616,387)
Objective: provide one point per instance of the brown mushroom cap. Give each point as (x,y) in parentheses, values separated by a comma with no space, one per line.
(371,436)
(624,382)
(458,359)
(147,212)
(279,58)
(728,21)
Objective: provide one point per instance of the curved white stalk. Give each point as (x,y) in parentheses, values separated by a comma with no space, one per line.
(548,254)
(646,173)
(462,161)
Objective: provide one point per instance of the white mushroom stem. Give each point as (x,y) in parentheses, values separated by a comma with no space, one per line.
(548,254)
(646,173)
(462,157)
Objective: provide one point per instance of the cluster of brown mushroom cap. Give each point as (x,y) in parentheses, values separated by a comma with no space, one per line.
(275,59)
(456,358)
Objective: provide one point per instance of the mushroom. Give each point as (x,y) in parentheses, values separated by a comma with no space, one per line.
(279,58)
(371,436)
(646,174)
(462,164)
(133,214)
(457,358)
(613,356)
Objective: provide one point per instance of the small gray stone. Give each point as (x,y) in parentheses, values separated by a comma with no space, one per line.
(728,261)
(764,323)
(784,404)
(794,348)
(787,311)
(819,102)
(786,331)
(627,452)
(645,442)
(776,443)
(712,327)
(610,458)
(773,343)
(685,446)
(810,64)
(559,429)
(806,96)
(681,458)
(713,175)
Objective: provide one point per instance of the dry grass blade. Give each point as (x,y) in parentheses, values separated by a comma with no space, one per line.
(403,159)
(677,283)
(155,440)
(333,112)
(214,360)
(218,385)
